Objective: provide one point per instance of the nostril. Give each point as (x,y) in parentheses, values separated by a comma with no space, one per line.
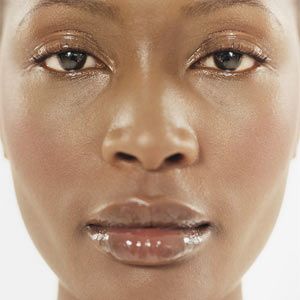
(124,156)
(175,157)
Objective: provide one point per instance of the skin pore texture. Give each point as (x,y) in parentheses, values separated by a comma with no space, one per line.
(150,92)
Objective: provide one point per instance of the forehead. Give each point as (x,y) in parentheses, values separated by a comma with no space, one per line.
(125,8)
(140,18)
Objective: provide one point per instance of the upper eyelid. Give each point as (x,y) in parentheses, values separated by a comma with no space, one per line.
(43,60)
(253,52)
(44,52)
(215,73)
(42,56)
(62,41)
(222,74)
(80,73)
(49,49)
(208,44)
(227,39)
(256,65)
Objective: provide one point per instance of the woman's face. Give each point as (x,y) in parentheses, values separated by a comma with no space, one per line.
(201,96)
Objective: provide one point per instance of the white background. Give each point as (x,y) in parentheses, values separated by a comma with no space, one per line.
(24,274)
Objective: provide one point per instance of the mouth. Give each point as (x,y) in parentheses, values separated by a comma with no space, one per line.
(171,226)
(138,233)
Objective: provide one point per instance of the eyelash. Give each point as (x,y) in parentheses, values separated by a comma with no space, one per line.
(253,52)
(47,51)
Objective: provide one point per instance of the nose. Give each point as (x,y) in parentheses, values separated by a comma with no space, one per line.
(153,147)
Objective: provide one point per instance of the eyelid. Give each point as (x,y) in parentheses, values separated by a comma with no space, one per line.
(48,51)
(69,41)
(238,42)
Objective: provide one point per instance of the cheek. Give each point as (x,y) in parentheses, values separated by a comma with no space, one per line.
(47,123)
(251,150)
(251,169)
(258,150)
(52,163)
(260,145)
(248,129)
(44,128)
(247,133)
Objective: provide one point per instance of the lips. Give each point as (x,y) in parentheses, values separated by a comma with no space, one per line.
(137,213)
(143,233)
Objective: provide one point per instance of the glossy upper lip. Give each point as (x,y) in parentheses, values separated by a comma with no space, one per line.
(136,213)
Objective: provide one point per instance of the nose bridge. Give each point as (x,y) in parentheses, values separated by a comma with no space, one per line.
(149,128)
(149,103)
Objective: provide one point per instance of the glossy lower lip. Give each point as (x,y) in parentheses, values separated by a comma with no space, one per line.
(149,246)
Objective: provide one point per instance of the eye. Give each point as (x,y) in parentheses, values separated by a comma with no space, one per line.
(70,60)
(228,61)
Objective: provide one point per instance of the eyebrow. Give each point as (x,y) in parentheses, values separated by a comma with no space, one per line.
(195,8)
(96,7)
(204,7)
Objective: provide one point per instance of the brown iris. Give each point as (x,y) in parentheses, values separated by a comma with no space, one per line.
(227,60)
(72,60)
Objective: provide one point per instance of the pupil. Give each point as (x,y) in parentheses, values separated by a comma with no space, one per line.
(72,60)
(227,60)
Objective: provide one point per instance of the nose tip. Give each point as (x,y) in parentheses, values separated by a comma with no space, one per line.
(177,148)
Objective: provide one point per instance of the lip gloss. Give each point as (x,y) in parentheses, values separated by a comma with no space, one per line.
(148,246)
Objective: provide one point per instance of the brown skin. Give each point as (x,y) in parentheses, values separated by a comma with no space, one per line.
(55,131)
